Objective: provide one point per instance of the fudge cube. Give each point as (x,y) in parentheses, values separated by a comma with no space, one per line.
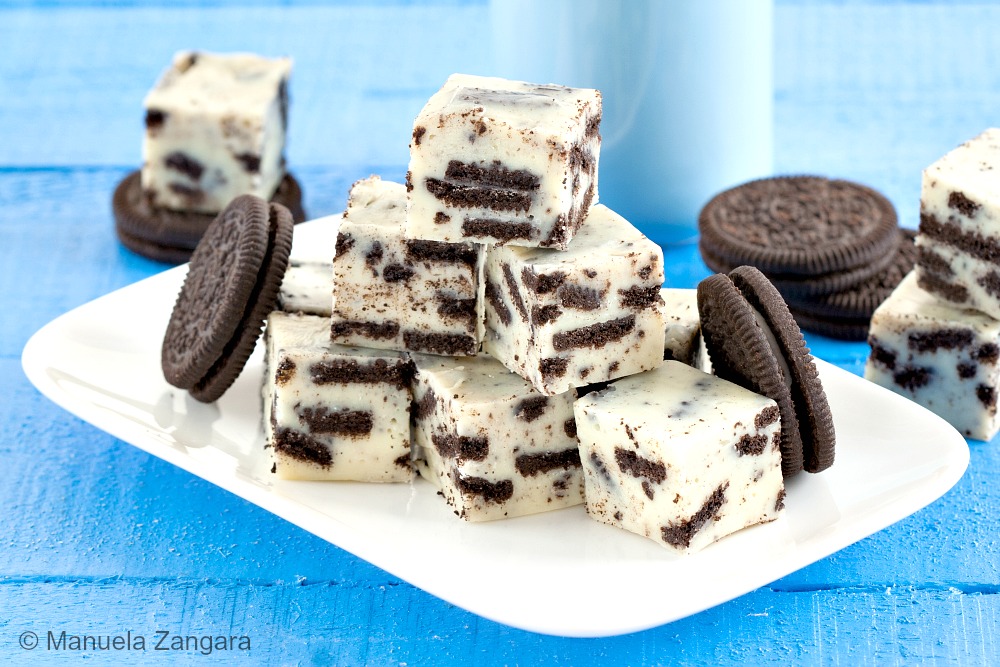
(334,412)
(498,161)
(679,456)
(570,318)
(959,240)
(683,325)
(494,446)
(939,355)
(215,129)
(306,288)
(393,292)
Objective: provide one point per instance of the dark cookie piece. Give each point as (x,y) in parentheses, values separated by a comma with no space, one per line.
(753,340)
(231,285)
(741,353)
(846,314)
(852,329)
(811,406)
(265,297)
(171,236)
(806,287)
(799,226)
(167,254)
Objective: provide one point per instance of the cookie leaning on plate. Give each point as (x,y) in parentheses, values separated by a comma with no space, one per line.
(231,285)
(753,341)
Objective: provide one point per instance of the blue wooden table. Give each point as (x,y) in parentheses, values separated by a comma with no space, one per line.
(97,537)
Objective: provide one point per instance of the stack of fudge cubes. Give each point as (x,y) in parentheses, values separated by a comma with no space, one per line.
(498,332)
(936,339)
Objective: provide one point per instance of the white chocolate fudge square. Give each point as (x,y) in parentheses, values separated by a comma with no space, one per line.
(334,412)
(394,292)
(959,241)
(499,161)
(941,356)
(679,456)
(215,129)
(307,288)
(494,446)
(683,325)
(570,318)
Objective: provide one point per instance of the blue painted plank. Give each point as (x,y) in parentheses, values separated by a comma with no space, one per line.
(290,623)
(350,103)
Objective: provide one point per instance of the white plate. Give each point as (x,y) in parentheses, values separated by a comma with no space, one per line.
(559,573)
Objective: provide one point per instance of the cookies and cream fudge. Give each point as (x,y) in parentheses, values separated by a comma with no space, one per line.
(307,288)
(570,318)
(959,241)
(494,446)
(939,355)
(683,326)
(679,456)
(499,161)
(334,412)
(215,129)
(394,292)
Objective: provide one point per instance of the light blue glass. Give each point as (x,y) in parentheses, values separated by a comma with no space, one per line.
(687,88)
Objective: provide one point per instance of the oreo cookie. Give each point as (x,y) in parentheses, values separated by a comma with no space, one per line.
(753,340)
(846,314)
(231,285)
(171,236)
(815,234)
(805,287)
(841,328)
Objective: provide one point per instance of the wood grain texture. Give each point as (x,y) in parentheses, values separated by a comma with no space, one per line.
(312,623)
(98,537)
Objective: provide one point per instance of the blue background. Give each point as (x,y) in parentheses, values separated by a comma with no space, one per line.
(97,537)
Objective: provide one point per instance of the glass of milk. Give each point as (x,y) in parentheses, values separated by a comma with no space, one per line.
(687,91)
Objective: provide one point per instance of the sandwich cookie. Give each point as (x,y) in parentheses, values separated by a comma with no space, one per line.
(846,315)
(753,340)
(231,285)
(810,235)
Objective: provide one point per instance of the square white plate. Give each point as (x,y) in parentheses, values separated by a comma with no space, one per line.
(559,573)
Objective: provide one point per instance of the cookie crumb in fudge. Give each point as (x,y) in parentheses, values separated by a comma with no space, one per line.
(959,238)
(215,129)
(943,357)
(499,161)
(570,318)
(334,412)
(493,446)
(394,292)
(679,456)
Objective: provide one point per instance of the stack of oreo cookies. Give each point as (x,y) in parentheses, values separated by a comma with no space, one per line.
(832,248)
(171,236)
